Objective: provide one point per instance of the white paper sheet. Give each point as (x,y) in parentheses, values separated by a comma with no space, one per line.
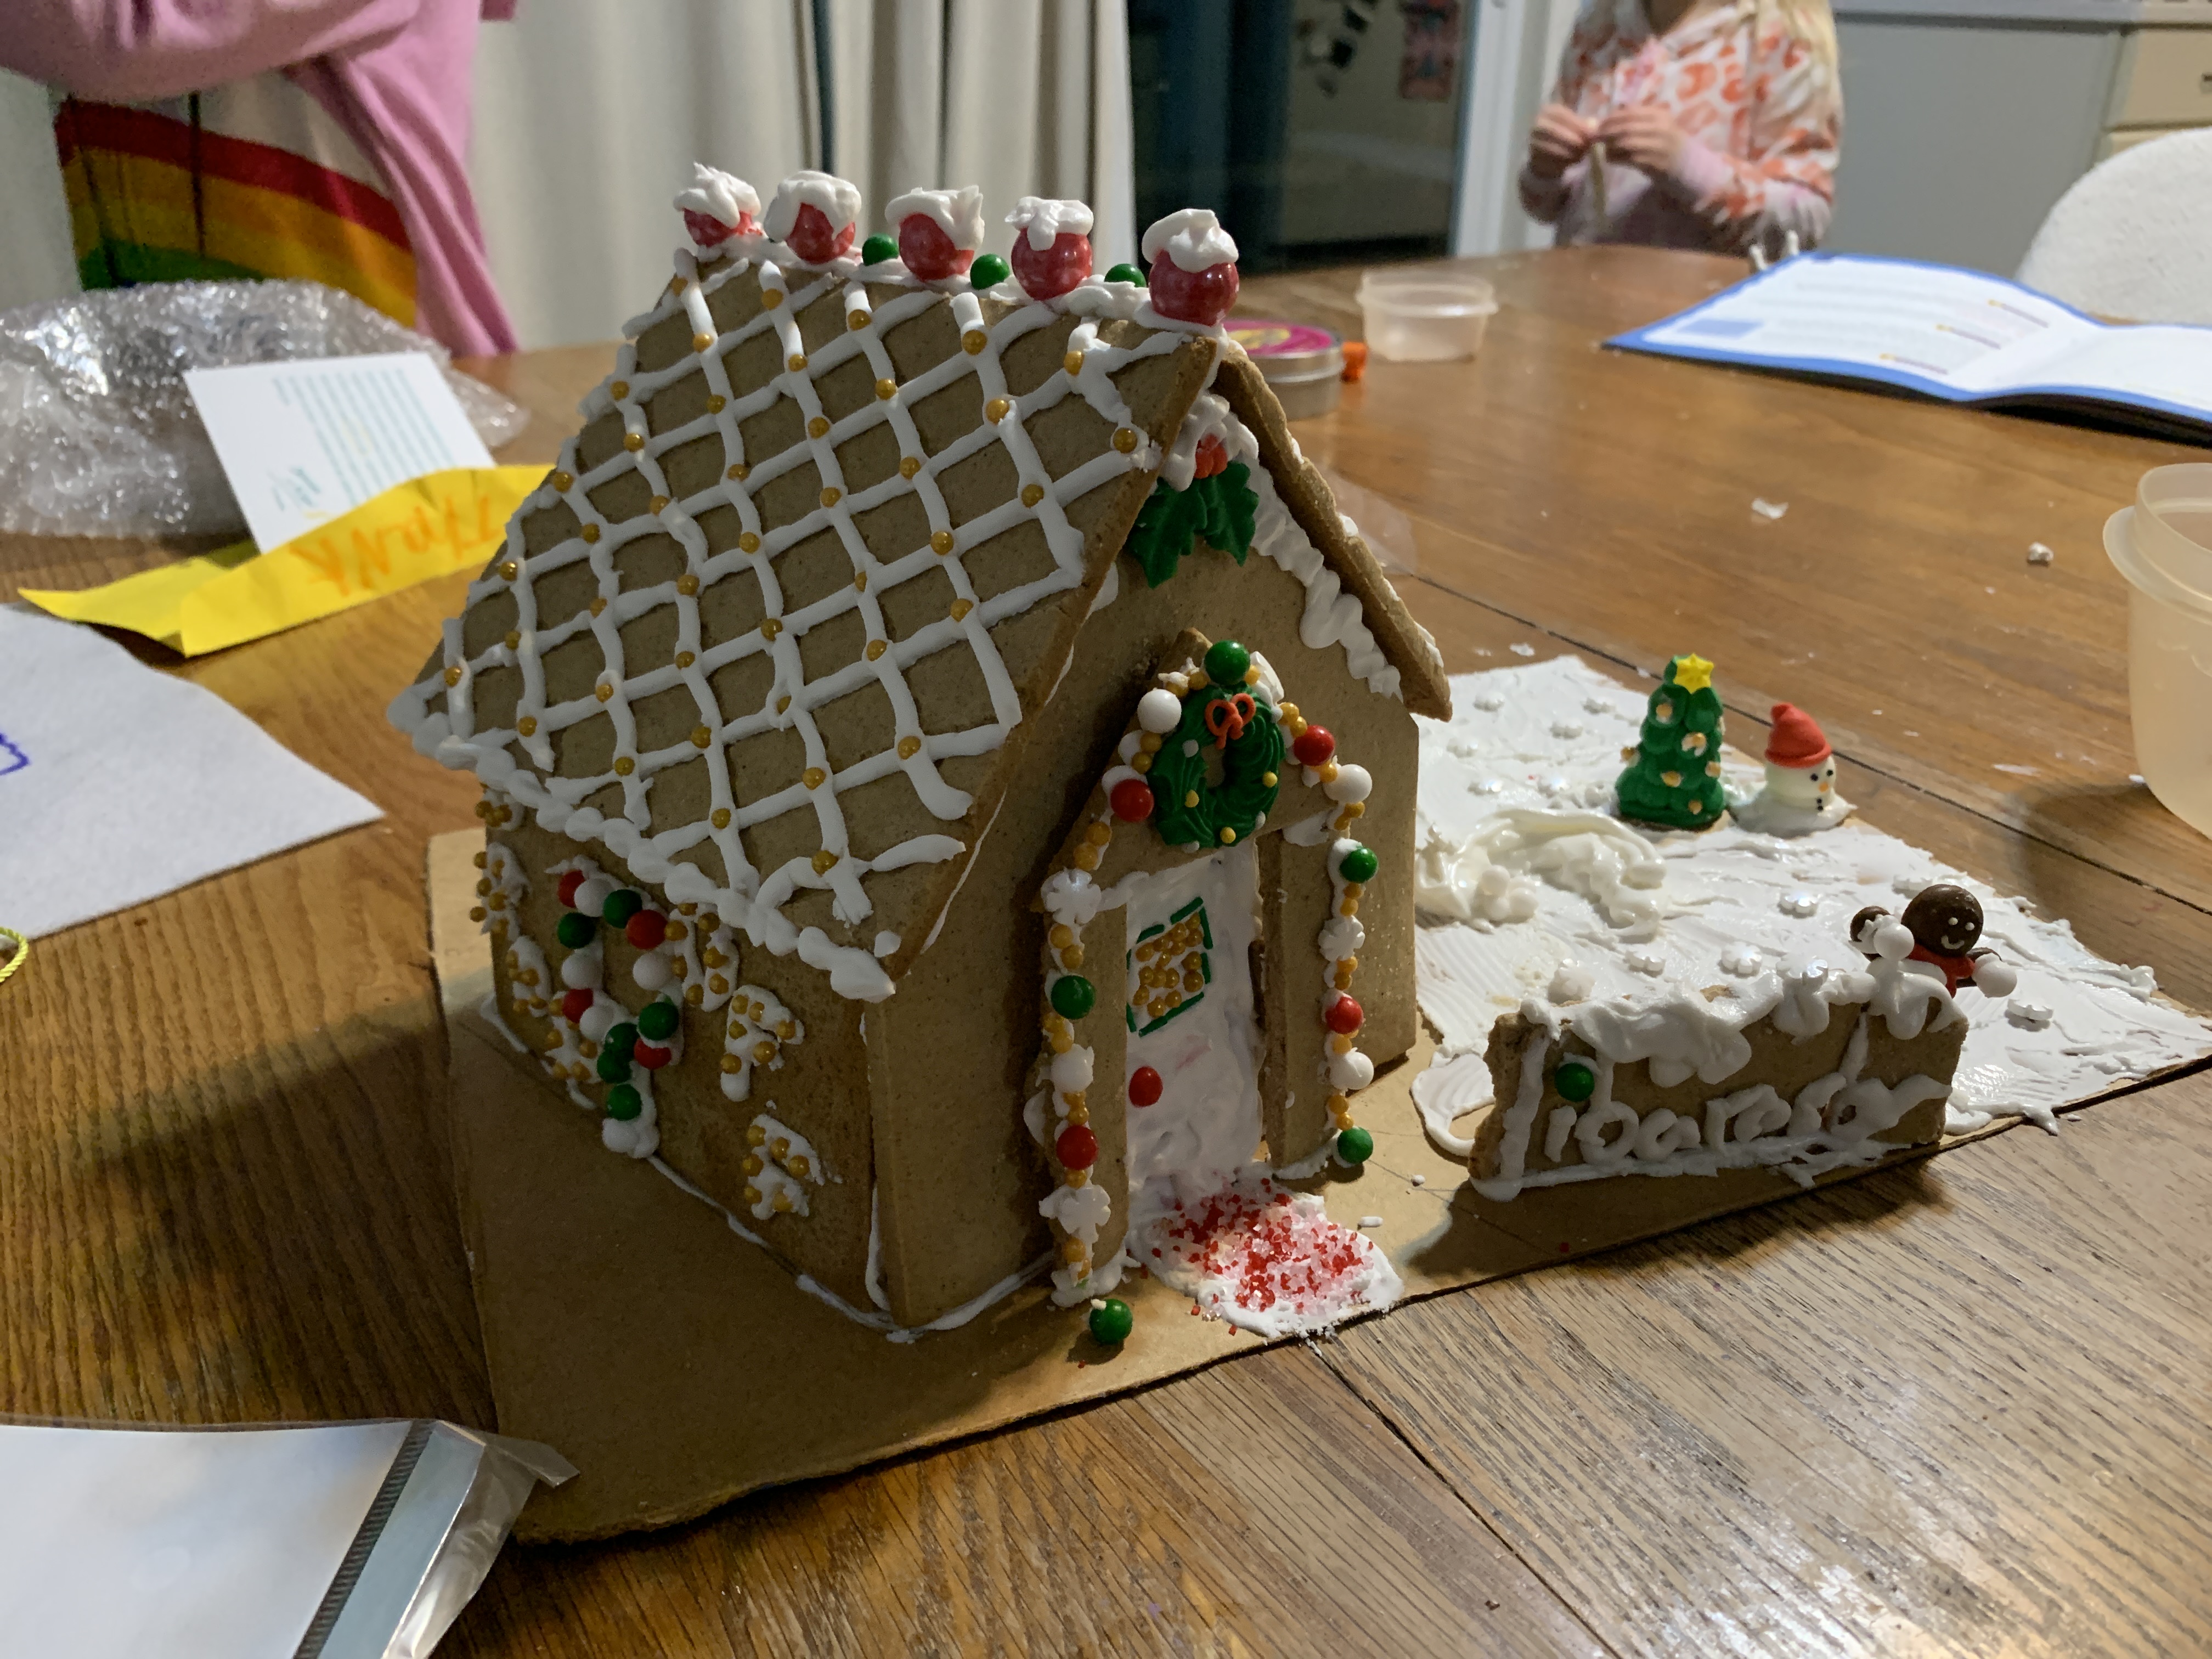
(121,1544)
(301,443)
(118,784)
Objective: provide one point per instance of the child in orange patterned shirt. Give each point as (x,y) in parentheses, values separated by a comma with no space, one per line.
(1699,124)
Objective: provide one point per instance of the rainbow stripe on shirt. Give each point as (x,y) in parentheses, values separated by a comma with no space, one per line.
(153,199)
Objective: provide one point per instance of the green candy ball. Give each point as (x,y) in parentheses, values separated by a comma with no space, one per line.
(575,930)
(1227,662)
(624,1103)
(1125,274)
(658,1021)
(1355,1147)
(622,905)
(988,271)
(1111,1321)
(877,249)
(613,1067)
(1359,865)
(1072,996)
(1574,1080)
(622,1040)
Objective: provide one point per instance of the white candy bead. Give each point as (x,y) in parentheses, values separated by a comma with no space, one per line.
(579,971)
(1995,978)
(651,970)
(598,1020)
(1159,710)
(1351,1070)
(592,895)
(1071,1070)
(1350,784)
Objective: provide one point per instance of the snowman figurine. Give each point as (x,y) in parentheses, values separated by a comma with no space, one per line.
(1800,795)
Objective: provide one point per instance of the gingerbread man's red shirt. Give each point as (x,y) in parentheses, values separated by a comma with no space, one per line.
(1761,107)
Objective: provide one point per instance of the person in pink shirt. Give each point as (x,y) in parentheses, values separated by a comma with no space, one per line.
(1696,124)
(317,138)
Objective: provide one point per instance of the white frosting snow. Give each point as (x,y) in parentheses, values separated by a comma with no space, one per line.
(1043,218)
(839,200)
(1193,238)
(719,195)
(957,213)
(1768,918)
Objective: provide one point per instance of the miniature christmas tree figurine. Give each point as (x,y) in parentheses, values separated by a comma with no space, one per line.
(1673,775)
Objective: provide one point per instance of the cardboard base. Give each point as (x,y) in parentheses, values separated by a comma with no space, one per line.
(678,1366)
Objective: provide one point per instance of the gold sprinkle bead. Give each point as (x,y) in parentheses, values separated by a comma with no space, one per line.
(1079,1178)
(755,1136)
(633,442)
(764,1053)
(909,465)
(798,1165)
(1140,763)
(747,543)
(1086,857)
(591,532)
(940,542)
(700,341)
(1356,810)
(1071,958)
(454,676)
(1062,1042)
(694,995)
(1227,835)
(677,284)
(685,659)
(1289,711)
(677,929)
(1340,1044)
(876,649)
(1269,780)
(770,628)
(598,606)
(753,1194)
(620,388)
(996,410)
(716,402)
(812,777)
(731,1063)
(481,861)
(1252,675)
(1149,743)
(1032,493)
(737,470)
(603,691)
(818,427)
(476,912)
(831,495)
(1353,890)
(1062,936)
(787,1028)
(624,766)
(1125,439)
(857,320)
(1098,835)
(562,482)
(1072,362)
(798,362)
(687,584)
(509,569)
(824,862)
(887,389)
(908,747)
(700,737)
(1073,1251)
(782,702)
(513,640)
(1190,798)
(961,608)
(721,817)
(771,298)
(973,341)
(658,507)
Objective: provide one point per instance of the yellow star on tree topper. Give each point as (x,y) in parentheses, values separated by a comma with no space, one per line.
(1691,673)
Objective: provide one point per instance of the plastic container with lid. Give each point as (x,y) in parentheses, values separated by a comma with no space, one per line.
(2163,546)
(1426,314)
(1304,365)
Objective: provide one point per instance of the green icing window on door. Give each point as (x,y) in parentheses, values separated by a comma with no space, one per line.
(1169,969)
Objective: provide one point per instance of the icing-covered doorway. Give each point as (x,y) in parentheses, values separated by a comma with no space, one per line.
(1193,1020)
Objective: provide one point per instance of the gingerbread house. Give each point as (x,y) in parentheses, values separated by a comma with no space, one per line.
(948,767)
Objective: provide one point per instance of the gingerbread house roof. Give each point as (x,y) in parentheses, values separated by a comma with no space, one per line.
(826,539)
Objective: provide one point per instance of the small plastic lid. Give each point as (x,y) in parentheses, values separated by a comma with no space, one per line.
(1427,291)
(1289,352)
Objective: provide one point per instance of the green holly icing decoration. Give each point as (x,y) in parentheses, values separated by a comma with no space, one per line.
(1227,663)
(1355,1147)
(988,271)
(1674,776)
(1126,273)
(1575,1081)
(658,1021)
(1111,1321)
(613,1067)
(1187,809)
(1359,865)
(1222,508)
(877,249)
(1073,996)
(621,1039)
(622,905)
(575,930)
(624,1103)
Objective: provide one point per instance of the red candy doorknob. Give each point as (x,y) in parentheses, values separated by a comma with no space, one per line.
(1144,1086)
(928,252)
(1313,747)
(1131,800)
(1194,276)
(1047,273)
(814,239)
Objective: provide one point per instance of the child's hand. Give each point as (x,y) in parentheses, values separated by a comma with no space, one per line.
(1645,137)
(1558,140)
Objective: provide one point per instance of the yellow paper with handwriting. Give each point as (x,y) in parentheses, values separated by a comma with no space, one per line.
(430,526)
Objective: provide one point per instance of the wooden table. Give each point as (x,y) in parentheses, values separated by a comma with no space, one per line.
(1957,1406)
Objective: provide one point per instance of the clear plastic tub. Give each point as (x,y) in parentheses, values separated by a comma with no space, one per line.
(1426,314)
(2163,546)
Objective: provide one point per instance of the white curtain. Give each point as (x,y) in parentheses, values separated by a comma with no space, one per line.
(35,262)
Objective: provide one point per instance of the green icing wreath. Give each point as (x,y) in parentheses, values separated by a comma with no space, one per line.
(1189,811)
(1222,508)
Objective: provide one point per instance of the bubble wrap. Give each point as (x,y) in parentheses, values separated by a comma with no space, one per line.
(98,435)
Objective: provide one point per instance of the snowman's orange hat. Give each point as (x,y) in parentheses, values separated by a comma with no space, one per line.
(1797,741)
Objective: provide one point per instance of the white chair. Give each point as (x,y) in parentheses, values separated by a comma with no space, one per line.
(2133,237)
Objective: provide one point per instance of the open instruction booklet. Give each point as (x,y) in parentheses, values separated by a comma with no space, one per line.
(1961,336)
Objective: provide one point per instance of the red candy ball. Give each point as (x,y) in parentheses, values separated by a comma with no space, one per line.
(1131,800)
(647,929)
(813,238)
(1344,1016)
(1144,1086)
(651,1055)
(575,1005)
(1193,296)
(706,230)
(928,251)
(1313,746)
(1048,273)
(567,890)
(1077,1146)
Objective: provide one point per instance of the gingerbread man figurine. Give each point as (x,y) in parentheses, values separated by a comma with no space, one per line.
(1945,922)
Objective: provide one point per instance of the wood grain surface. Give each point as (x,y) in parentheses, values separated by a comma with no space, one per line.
(1957,1407)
